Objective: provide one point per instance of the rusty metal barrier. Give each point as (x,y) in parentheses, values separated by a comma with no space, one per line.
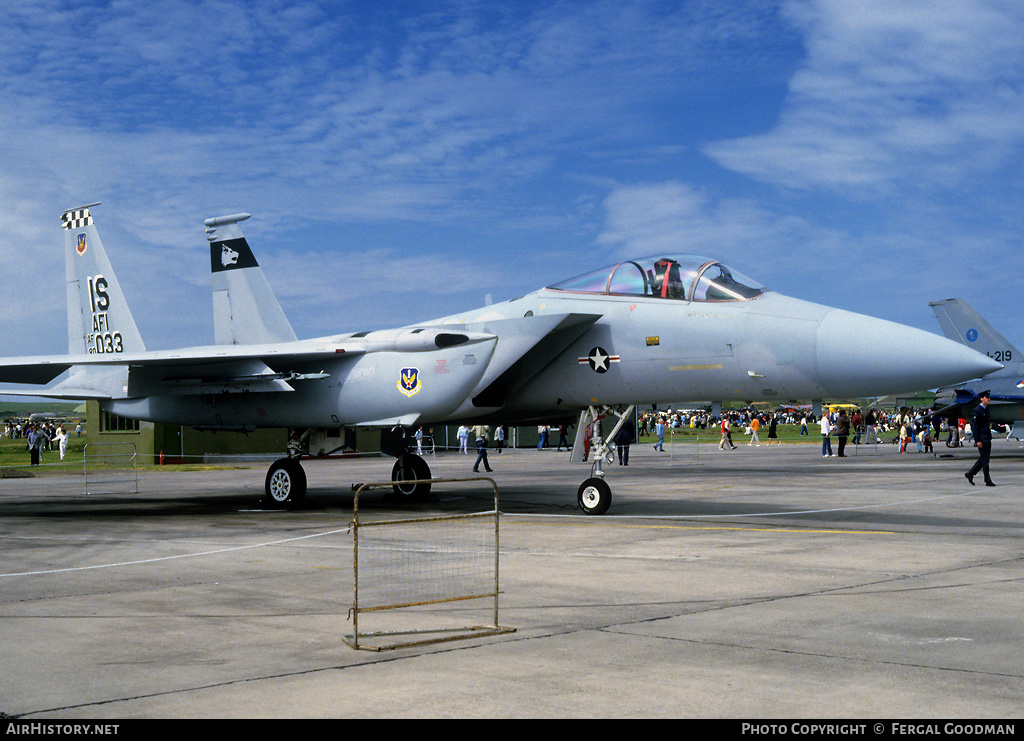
(424,562)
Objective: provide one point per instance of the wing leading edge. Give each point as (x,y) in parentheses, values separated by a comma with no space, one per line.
(228,364)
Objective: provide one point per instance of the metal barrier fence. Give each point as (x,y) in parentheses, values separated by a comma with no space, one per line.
(110,468)
(865,441)
(406,570)
(684,450)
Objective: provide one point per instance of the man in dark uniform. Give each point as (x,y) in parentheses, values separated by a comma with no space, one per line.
(982,431)
(623,440)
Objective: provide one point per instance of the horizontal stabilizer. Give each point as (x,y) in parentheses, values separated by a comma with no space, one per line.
(965,396)
(38,370)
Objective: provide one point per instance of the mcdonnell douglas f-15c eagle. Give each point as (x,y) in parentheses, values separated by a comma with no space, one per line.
(678,327)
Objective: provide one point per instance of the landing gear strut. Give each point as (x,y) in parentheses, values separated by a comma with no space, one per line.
(408,466)
(595,495)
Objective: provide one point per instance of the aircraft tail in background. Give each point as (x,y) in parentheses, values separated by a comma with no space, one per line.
(963,324)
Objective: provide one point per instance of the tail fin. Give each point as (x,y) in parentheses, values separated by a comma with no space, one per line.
(964,325)
(99,320)
(245,310)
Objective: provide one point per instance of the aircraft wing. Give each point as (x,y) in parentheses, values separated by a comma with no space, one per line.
(960,404)
(1008,397)
(966,396)
(965,400)
(225,362)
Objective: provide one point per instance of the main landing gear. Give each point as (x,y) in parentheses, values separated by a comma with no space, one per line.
(285,486)
(408,468)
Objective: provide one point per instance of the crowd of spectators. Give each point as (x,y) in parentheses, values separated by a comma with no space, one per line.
(40,436)
(912,428)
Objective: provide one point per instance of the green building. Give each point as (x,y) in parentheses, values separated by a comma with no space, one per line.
(180,443)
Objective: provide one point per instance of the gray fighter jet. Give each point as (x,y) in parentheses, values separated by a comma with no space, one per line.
(963,324)
(637,332)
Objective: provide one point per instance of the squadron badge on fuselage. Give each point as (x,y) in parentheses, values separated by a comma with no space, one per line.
(409,382)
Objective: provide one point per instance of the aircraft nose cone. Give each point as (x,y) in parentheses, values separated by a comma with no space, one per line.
(859,355)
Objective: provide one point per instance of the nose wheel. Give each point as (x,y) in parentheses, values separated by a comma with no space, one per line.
(594,496)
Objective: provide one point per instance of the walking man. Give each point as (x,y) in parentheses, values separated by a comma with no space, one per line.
(982,431)
(659,430)
(623,441)
(35,439)
(755,425)
(481,432)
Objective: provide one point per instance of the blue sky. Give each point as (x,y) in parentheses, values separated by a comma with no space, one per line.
(402,160)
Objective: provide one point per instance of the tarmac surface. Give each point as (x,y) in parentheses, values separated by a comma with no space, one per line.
(755,583)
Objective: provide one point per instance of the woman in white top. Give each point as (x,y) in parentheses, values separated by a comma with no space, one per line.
(826,441)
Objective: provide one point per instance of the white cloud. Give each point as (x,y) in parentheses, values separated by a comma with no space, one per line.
(496,123)
(926,93)
(889,270)
(676,217)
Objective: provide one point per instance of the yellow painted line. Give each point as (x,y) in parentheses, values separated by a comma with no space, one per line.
(696,527)
(710,366)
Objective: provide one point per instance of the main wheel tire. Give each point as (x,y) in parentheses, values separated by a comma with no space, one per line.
(410,468)
(286,484)
(594,496)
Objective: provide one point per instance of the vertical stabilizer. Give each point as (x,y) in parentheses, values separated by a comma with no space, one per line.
(99,320)
(245,310)
(964,325)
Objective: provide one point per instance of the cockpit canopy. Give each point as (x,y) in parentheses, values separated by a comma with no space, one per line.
(681,277)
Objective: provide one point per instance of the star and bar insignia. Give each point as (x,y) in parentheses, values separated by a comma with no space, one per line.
(599,360)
